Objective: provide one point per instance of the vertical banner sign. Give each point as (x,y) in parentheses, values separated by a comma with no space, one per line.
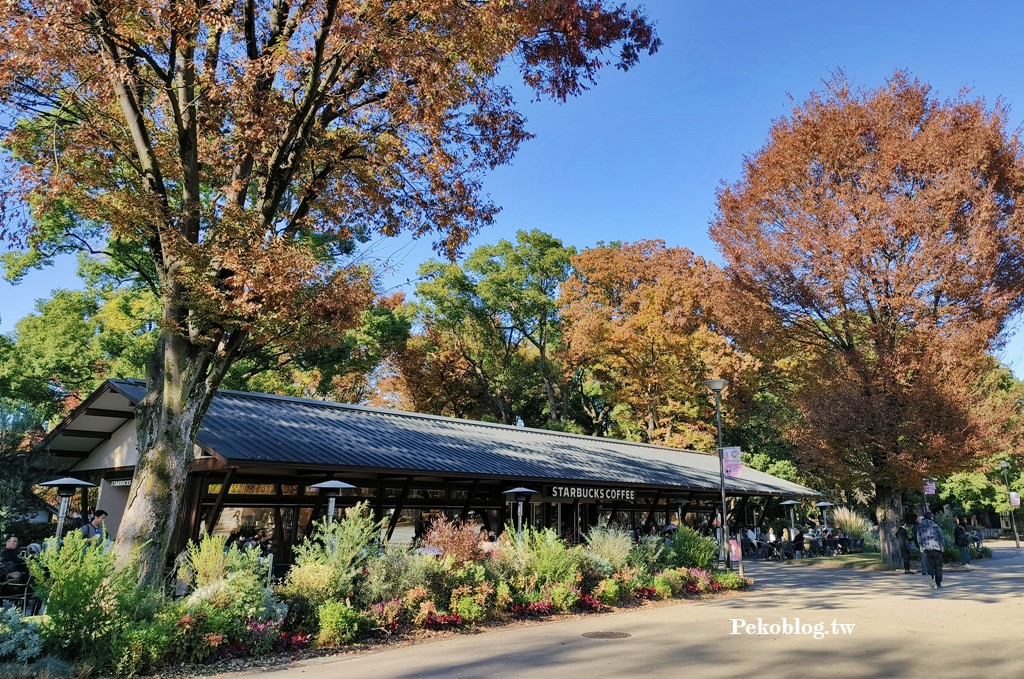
(732,461)
(929,487)
(1015,499)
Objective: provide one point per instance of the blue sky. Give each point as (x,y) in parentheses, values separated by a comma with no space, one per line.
(641,155)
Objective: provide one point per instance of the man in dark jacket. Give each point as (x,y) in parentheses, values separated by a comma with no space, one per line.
(931,542)
(14,568)
(962,540)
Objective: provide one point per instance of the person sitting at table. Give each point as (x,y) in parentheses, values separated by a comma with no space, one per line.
(771,535)
(14,569)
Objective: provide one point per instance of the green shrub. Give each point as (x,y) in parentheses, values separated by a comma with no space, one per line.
(392,573)
(343,546)
(442,578)
(668,584)
(469,607)
(687,547)
(141,648)
(535,558)
(564,596)
(88,600)
(340,624)
(19,638)
(648,554)
(608,592)
(209,561)
(609,546)
(730,580)
(306,587)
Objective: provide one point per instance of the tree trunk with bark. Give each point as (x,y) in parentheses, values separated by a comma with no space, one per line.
(889,514)
(182,378)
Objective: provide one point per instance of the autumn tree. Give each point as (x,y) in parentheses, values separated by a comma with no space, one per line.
(877,237)
(638,321)
(245,144)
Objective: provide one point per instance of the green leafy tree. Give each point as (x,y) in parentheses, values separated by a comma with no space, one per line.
(498,312)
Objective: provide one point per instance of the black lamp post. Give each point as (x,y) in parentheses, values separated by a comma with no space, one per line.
(332,489)
(717,386)
(823,506)
(521,495)
(65,490)
(792,520)
(1005,466)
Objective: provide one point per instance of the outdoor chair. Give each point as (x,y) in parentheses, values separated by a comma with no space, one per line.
(787,551)
(19,594)
(813,547)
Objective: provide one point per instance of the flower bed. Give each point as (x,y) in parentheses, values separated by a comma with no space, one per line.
(345,589)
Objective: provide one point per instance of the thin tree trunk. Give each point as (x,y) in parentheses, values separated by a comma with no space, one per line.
(889,513)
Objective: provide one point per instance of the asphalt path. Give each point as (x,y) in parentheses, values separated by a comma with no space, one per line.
(868,624)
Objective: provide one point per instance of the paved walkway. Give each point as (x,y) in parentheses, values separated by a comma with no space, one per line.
(900,628)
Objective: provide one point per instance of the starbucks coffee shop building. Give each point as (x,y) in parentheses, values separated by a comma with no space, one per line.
(257,456)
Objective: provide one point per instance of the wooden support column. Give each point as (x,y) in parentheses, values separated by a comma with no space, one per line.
(218,504)
(764,512)
(464,514)
(278,536)
(83,498)
(399,505)
(650,512)
(740,510)
(378,506)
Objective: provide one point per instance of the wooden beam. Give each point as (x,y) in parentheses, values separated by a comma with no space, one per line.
(69,453)
(469,501)
(399,505)
(650,512)
(103,412)
(83,434)
(218,504)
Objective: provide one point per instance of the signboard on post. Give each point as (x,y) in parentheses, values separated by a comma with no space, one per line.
(1014,499)
(732,462)
(929,486)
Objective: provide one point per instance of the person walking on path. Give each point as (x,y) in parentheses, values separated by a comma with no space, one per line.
(904,540)
(931,543)
(962,540)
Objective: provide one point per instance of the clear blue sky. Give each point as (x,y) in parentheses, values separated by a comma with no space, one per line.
(640,156)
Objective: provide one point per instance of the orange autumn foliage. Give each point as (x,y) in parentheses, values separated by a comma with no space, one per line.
(638,317)
(876,241)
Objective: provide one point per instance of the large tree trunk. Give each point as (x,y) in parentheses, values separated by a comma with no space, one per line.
(179,391)
(889,513)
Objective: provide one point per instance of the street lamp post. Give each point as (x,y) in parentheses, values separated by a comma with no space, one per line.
(521,495)
(792,518)
(332,489)
(1005,466)
(823,506)
(723,548)
(65,490)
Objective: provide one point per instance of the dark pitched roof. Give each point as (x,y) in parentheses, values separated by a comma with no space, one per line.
(249,428)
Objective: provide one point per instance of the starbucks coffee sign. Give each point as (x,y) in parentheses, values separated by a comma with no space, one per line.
(592,493)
